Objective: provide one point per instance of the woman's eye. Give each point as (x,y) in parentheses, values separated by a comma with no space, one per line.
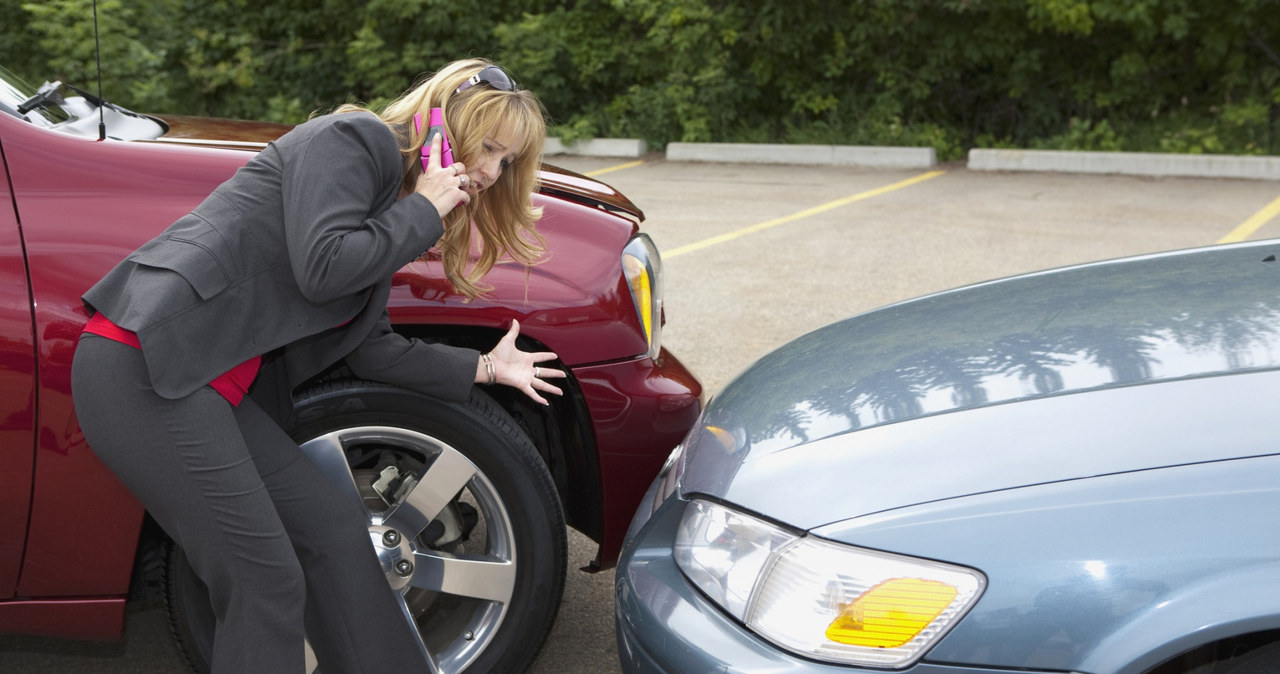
(504,164)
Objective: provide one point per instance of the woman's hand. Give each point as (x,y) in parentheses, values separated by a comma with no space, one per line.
(519,369)
(444,187)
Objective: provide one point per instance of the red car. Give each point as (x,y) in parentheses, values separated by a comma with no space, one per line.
(467,503)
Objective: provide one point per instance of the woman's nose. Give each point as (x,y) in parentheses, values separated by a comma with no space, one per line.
(492,170)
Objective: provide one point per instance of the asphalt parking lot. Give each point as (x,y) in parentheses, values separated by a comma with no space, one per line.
(757,255)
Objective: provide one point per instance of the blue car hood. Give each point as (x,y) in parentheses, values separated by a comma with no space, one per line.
(1065,374)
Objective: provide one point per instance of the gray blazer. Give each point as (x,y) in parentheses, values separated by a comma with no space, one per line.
(292,256)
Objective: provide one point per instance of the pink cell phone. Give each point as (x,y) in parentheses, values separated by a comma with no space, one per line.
(436,126)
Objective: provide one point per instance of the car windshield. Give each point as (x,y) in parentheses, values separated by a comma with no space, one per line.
(65,108)
(44,111)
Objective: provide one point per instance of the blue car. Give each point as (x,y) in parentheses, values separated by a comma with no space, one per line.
(1075,470)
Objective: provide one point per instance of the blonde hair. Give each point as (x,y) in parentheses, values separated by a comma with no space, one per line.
(503,214)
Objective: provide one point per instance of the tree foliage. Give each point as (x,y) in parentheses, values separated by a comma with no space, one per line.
(1173,75)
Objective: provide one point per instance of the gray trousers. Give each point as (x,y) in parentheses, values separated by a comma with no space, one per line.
(276,544)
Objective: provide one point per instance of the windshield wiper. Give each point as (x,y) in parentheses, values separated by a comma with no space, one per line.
(46,95)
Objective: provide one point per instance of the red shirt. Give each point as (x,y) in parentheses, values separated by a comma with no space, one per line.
(232,384)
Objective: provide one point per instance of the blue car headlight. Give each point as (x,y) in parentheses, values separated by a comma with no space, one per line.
(818,598)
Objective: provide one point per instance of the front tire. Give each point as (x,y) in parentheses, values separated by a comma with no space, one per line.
(462,512)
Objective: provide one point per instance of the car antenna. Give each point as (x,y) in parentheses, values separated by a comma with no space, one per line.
(97,49)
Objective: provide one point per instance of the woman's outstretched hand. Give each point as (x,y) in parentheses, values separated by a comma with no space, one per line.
(446,187)
(519,369)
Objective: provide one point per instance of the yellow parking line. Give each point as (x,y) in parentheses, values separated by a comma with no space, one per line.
(611,169)
(802,214)
(1254,223)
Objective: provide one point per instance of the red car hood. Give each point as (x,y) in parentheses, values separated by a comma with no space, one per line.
(253,136)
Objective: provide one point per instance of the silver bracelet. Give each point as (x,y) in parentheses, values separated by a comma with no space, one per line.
(489,368)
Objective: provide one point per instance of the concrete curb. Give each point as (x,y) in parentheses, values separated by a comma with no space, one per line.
(1130,163)
(839,155)
(1046,161)
(597,147)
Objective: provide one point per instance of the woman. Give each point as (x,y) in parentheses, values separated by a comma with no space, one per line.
(182,379)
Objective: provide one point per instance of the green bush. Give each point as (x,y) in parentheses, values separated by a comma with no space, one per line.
(1152,75)
(1161,75)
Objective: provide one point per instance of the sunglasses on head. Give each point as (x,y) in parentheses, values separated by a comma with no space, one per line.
(491,75)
